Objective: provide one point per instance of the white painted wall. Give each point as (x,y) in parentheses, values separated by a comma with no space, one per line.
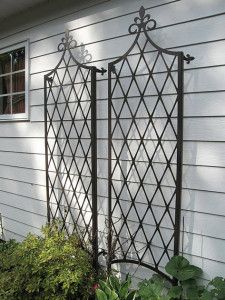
(193,26)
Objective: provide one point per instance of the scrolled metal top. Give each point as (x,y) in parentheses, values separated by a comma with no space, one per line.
(144,22)
(67,42)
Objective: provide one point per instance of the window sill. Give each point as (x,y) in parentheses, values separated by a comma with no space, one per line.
(14,118)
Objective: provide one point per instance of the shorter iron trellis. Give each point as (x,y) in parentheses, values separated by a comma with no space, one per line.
(70,142)
(145,129)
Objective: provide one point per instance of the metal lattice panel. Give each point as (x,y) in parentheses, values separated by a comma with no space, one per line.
(145,151)
(70,127)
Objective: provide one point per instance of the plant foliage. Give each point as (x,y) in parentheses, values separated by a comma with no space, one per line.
(159,288)
(53,266)
(115,289)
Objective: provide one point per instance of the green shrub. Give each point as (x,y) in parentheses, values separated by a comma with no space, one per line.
(53,266)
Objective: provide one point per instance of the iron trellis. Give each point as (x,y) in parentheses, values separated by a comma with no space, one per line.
(145,141)
(70,141)
(145,129)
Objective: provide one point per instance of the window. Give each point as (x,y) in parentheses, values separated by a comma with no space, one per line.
(14,82)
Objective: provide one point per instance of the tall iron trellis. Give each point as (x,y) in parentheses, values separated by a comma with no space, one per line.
(70,143)
(145,129)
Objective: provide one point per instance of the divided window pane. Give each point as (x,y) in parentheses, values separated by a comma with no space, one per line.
(12,82)
(5,63)
(18,103)
(18,59)
(5,105)
(18,82)
(5,85)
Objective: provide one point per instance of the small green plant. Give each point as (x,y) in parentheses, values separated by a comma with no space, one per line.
(53,266)
(115,289)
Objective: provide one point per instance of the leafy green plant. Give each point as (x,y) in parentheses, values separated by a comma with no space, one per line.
(186,275)
(180,268)
(115,289)
(155,288)
(53,266)
(187,288)
(159,288)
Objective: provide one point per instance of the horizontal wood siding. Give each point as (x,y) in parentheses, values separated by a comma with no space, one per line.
(193,26)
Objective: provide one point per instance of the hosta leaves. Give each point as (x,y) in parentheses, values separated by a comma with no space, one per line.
(114,282)
(101,295)
(105,287)
(131,295)
(115,289)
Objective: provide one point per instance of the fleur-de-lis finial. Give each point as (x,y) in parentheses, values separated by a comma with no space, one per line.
(67,42)
(143,22)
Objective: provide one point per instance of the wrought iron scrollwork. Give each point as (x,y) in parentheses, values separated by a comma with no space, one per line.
(67,42)
(141,22)
(145,128)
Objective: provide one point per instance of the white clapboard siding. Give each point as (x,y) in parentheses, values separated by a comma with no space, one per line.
(198,51)
(193,131)
(25,204)
(119,25)
(196,129)
(24,189)
(195,153)
(186,37)
(16,226)
(193,200)
(194,177)
(191,26)
(195,104)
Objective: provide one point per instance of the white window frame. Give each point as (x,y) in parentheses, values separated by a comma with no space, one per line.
(21,116)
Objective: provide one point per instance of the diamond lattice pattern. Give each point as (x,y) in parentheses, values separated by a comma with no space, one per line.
(69,146)
(144,96)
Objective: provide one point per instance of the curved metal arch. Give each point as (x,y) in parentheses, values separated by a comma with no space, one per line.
(142,24)
(66,45)
(134,262)
(69,161)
